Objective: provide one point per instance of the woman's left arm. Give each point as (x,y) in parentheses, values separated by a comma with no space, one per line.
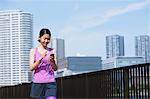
(53,60)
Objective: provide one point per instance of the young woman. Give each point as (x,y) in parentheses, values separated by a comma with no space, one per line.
(42,62)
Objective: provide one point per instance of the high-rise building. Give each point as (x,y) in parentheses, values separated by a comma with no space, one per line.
(114,46)
(15,45)
(59,45)
(142,47)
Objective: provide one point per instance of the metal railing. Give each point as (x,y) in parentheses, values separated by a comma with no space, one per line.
(131,82)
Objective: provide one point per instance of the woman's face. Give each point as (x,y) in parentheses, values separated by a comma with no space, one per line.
(45,39)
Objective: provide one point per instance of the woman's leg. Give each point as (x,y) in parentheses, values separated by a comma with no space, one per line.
(41,97)
(51,91)
(51,97)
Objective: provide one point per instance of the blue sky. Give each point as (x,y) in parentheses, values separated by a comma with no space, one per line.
(84,24)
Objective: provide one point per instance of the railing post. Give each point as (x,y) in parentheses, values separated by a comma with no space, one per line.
(87,89)
(126,83)
(61,84)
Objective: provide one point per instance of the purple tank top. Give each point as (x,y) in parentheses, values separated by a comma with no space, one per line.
(44,72)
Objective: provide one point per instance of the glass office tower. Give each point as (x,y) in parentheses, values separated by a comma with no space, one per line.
(114,46)
(142,47)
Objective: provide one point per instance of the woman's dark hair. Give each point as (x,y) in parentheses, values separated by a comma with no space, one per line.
(44,31)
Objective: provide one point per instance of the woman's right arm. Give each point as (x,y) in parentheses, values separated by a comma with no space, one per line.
(33,65)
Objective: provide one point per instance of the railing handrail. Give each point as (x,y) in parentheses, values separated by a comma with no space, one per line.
(121,82)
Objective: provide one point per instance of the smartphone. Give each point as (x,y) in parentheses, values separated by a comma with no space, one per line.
(52,56)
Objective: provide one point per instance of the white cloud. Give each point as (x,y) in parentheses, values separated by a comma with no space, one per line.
(76,35)
(128,8)
(92,21)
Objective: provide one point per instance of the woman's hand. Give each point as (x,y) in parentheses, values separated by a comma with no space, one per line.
(52,62)
(34,64)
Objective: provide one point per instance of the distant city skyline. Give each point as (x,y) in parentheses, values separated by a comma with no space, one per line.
(85,24)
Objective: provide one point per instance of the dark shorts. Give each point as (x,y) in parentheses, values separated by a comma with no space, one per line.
(43,89)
